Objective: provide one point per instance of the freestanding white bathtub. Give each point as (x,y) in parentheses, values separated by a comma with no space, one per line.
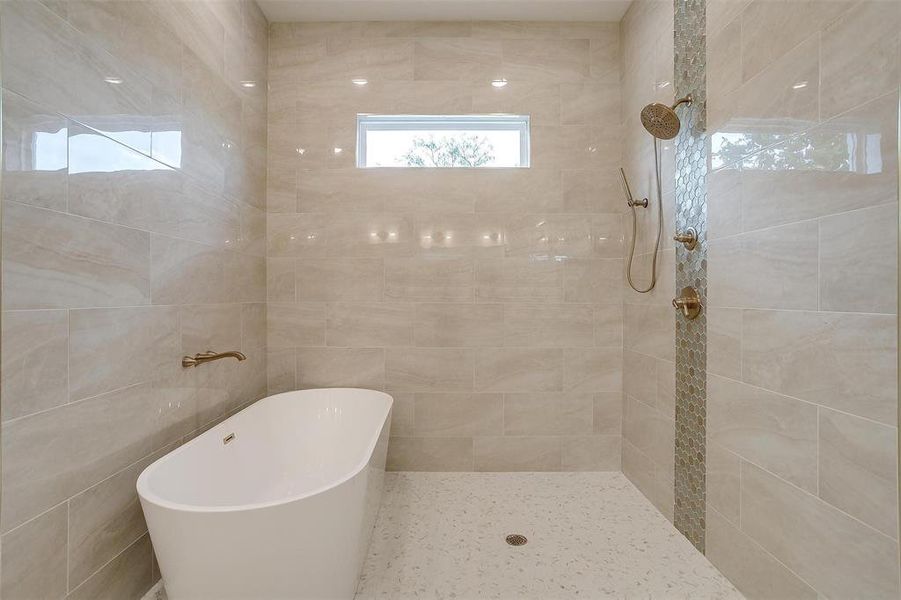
(277,502)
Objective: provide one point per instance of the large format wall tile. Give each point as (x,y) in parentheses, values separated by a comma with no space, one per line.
(773,431)
(593,370)
(591,453)
(430,369)
(134,232)
(430,454)
(747,565)
(519,369)
(724,342)
(34,558)
(592,280)
(858,261)
(117,347)
(35,361)
(772,268)
(650,329)
(608,413)
(650,432)
(513,453)
(860,56)
(472,283)
(648,411)
(145,195)
(345,279)
(775,101)
(451,59)
(818,542)
(841,360)
(772,29)
(293,325)
(216,326)
(73,447)
(803,218)
(777,183)
(377,324)
(457,415)
(186,272)
(52,63)
(54,260)
(126,576)
(554,325)
(518,280)
(340,367)
(723,483)
(31,133)
(458,325)
(447,279)
(548,60)
(858,464)
(640,377)
(548,414)
(104,521)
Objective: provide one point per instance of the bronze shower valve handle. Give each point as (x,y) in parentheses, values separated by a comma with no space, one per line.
(689,239)
(689,303)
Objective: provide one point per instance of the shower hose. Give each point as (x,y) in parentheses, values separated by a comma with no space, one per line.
(659,229)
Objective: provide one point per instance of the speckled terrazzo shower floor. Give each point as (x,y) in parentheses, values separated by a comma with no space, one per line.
(591,535)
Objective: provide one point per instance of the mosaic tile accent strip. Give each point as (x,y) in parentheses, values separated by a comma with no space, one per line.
(691,270)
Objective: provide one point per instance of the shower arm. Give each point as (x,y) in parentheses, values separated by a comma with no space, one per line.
(685,100)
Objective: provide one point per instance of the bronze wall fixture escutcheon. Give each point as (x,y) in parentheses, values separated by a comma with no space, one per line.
(689,239)
(688,303)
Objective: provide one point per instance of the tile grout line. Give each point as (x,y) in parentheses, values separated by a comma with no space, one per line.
(807,402)
(817,499)
(766,552)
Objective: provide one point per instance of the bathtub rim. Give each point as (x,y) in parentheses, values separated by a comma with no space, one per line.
(146,495)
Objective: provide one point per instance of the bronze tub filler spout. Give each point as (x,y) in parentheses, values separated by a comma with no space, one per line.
(209,356)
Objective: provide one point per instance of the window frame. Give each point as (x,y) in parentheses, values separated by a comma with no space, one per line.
(470,122)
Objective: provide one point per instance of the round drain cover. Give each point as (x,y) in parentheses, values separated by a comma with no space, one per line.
(515,539)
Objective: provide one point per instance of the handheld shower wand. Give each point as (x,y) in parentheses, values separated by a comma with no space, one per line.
(629,200)
(644,204)
(662,123)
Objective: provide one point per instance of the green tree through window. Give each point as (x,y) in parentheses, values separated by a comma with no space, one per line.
(455,151)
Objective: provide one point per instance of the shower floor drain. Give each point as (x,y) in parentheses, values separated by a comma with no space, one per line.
(515,539)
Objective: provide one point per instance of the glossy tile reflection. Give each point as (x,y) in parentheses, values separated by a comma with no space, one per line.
(803,281)
(181,176)
(131,190)
(461,287)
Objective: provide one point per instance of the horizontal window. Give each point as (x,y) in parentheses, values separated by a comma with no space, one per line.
(443,141)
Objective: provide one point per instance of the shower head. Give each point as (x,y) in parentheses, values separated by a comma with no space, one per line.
(661,120)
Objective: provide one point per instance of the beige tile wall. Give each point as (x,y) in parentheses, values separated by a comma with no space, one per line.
(133,232)
(802,406)
(646,42)
(488,302)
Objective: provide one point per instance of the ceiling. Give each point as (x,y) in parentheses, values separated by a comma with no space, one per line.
(444,10)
